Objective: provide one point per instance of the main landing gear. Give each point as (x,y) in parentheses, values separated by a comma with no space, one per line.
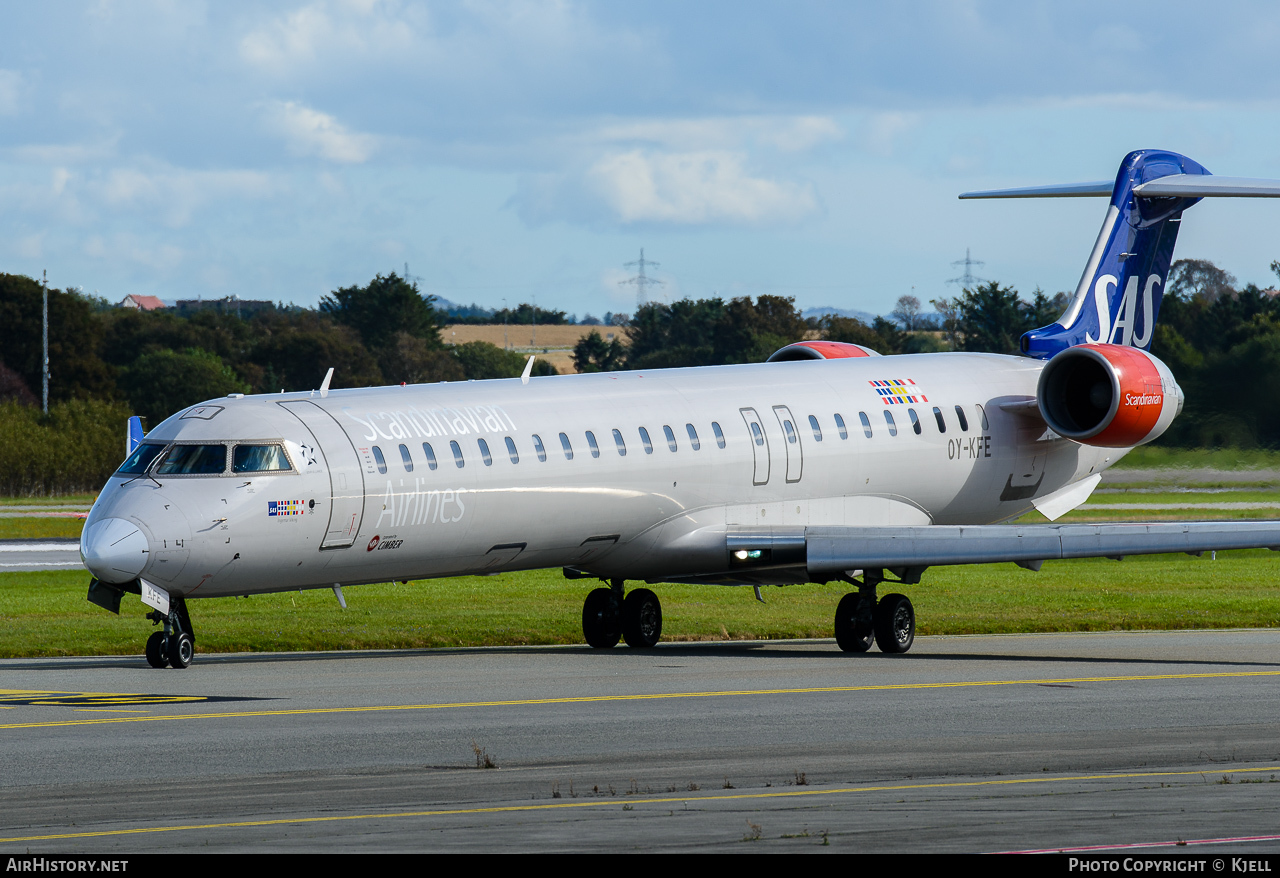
(176,645)
(607,617)
(861,619)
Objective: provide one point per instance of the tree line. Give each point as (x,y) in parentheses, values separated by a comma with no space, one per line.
(1221,340)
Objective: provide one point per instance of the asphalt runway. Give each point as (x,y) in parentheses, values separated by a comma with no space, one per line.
(982,743)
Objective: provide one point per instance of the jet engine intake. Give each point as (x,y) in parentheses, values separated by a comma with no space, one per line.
(820,350)
(1108,395)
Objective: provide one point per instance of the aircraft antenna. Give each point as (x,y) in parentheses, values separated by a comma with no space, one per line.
(642,281)
(968,280)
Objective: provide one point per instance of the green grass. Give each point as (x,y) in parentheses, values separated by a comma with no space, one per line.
(1147,457)
(85,500)
(40,528)
(47,614)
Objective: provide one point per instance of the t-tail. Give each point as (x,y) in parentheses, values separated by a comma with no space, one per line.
(1119,295)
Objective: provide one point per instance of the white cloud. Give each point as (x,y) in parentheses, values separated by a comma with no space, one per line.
(10,89)
(31,246)
(782,133)
(319,31)
(310,132)
(174,194)
(690,188)
(883,132)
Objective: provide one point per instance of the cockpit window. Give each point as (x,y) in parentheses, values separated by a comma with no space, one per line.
(259,459)
(141,458)
(194,460)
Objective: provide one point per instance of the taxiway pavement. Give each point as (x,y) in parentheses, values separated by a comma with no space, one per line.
(39,554)
(978,743)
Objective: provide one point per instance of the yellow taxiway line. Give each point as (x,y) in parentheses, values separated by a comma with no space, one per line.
(666,800)
(594,699)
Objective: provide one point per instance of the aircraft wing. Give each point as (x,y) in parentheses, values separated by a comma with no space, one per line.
(831,551)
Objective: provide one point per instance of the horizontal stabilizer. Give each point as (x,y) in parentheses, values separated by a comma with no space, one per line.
(1065,190)
(1172,186)
(1205,185)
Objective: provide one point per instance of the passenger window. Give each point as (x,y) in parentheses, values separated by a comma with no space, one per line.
(379,460)
(982,416)
(511,450)
(644,440)
(591,443)
(915,422)
(568,449)
(693,436)
(817,431)
(617,440)
(431,456)
(791,431)
(259,459)
(937,416)
(540,448)
(715,428)
(756,434)
(484,452)
(866,423)
(406,459)
(844,431)
(194,460)
(671,437)
(457,454)
(141,458)
(964,422)
(888,419)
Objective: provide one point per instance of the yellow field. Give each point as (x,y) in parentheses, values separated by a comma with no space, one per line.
(551,343)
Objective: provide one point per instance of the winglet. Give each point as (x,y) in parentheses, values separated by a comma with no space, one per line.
(324,385)
(528,370)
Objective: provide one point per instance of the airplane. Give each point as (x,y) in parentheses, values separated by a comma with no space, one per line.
(828,463)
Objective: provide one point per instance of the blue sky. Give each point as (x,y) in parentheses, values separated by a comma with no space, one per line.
(507,150)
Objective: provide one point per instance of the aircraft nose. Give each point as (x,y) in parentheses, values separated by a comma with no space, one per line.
(114,550)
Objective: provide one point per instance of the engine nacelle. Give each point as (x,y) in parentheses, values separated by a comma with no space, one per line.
(1108,395)
(820,350)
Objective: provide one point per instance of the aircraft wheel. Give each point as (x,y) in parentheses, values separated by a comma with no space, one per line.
(852,634)
(895,623)
(155,651)
(600,622)
(642,619)
(181,649)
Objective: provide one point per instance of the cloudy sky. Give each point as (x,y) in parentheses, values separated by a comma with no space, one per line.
(512,150)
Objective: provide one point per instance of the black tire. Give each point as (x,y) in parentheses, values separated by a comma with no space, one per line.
(852,634)
(155,651)
(181,650)
(642,619)
(895,624)
(601,625)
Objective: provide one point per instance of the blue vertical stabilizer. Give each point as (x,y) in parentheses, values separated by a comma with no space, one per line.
(1120,291)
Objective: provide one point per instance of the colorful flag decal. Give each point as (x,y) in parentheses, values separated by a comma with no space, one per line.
(284,507)
(898,391)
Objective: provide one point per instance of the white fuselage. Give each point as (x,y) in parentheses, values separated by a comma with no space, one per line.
(342,517)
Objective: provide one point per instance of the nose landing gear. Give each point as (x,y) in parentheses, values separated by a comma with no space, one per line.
(607,617)
(176,645)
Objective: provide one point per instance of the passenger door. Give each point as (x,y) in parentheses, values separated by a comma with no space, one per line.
(791,442)
(346,476)
(759,440)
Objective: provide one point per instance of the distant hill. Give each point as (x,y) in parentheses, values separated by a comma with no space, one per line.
(864,316)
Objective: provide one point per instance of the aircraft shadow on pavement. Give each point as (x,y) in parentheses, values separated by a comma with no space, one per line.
(777,649)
